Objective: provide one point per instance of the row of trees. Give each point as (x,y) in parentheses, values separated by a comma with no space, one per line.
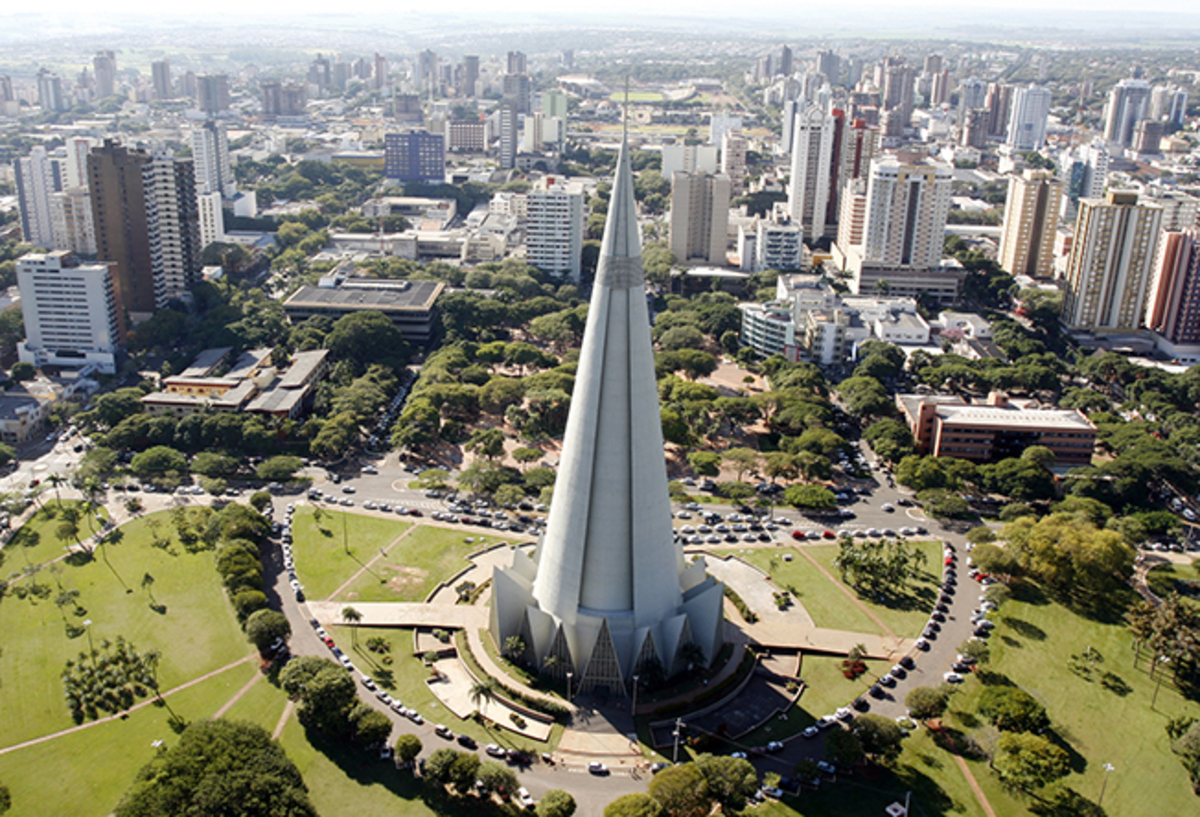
(328,701)
(692,789)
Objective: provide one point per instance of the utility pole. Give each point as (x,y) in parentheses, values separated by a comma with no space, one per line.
(633,706)
(675,734)
(1108,767)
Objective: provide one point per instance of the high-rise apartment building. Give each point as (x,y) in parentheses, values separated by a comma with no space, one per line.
(282,99)
(425,74)
(1111,263)
(38,178)
(1084,171)
(1027,121)
(1147,136)
(859,145)
(999,105)
(210,153)
(71,221)
(50,92)
(784,66)
(1030,223)
(516,64)
(733,160)
(778,242)
(908,199)
(699,223)
(1128,102)
(1174,311)
(104,64)
(211,213)
(212,93)
(7,92)
(470,74)
(1180,211)
(160,77)
(414,156)
(721,124)
(554,103)
(518,89)
(506,116)
(70,311)
(972,94)
(147,225)
(688,159)
(554,227)
(853,216)
(829,64)
(898,86)
(812,164)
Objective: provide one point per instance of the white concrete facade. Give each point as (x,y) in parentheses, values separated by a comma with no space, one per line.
(70,312)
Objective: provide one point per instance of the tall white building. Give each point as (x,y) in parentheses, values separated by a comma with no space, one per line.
(1084,172)
(554,227)
(71,221)
(721,124)
(907,202)
(812,157)
(688,159)
(75,166)
(1027,121)
(171,209)
(70,312)
(507,121)
(699,217)
(38,178)
(212,218)
(779,242)
(210,155)
(1128,102)
(733,160)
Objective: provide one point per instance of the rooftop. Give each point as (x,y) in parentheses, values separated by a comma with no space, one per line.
(206,361)
(954,409)
(420,296)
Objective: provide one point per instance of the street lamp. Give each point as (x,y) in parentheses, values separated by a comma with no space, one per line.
(1108,767)
(1162,659)
(570,675)
(87,626)
(675,735)
(633,706)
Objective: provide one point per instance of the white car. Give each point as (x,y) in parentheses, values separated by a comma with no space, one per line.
(524,796)
(952,678)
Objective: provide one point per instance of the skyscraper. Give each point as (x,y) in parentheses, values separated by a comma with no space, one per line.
(71,221)
(699,224)
(470,74)
(972,93)
(898,87)
(785,61)
(414,156)
(517,63)
(519,90)
(1030,221)
(907,202)
(1084,171)
(507,122)
(104,64)
(999,105)
(212,93)
(609,590)
(147,225)
(829,64)
(38,178)
(70,311)
(379,77)
(1111,262)
(50,92)
(554,227)
(812,160)
(210,153)
(1174,309)
(160,76)
(733,160)
(1128,102)
(1027,122)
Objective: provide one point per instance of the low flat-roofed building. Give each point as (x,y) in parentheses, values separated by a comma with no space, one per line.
(21,414)
(409,304)
(195,395)
(999,428)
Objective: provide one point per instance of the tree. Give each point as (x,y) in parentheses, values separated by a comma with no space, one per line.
(889,439)
(926,703)
(991,558)
(368,337)
(980,536)
(526,455)
(6,799)
(1012,710)
(810,497)
(705,463)
(160,460)
(264,626)
(1029,761)
(730,780)
(843,747)
(408,748)
(942,504)
(742,460)
(509,495)
(637,804)
(865,397)
(484,692)
(439,766)
(23,372)
(497,778)
(682,791)
(556,803)
(880,737)
(371,727)
(278,469)
(735,491)
(352,617)
(231,767)
(487,443)
(514,647)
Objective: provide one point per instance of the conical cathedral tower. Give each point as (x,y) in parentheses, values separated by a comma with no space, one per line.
(608,588)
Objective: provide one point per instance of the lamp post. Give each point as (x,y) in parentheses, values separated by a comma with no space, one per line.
(633,706)
(1108,767)
(570,675)
(675,735)
(87,626)
(1162,659)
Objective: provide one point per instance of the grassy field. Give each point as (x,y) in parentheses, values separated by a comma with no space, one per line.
(331,546)
(263,703)
(37,541)
(1173,578)
(195,630)
(428,555)
(1102,718)
(822,598)
(907,613)
(637,96)
(84,774)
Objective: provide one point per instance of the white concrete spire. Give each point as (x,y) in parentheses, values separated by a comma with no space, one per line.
(609,583)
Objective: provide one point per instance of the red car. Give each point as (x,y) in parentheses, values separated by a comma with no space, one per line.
(328,642)
(829,534)
(798,534)
(415,512)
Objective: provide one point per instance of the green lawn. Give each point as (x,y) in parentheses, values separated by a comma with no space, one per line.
(413,568)
(263,703)
(37,541)
(331,546)
(1173,578)
(196,632)
(85,773)
(1101,719)
(822,598)
(637,96)
(907,613)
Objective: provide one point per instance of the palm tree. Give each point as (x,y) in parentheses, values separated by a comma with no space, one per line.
(352,617)
(484,692)
(56,481)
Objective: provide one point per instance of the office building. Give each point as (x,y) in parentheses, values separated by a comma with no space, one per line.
(282,99)
(1147,136)
(611,592)
(1111,263)
(516,63)
(408,304)
(518,89)
(470,75)
(1000,428)
(210,153)
(778,242)
(1084,171)
(160,77)
(50,92)
(908,198)
(466,137)
(812,163)
(974,130)
(829,64)
(425,70)
(70,311)
(1027,121)
(699,217)
(414,156)
(147,225)
(1174,311)
(320,74)
(38,177)
(506,116)
(71,221)
(733,161)
(1030,222)
(939,92)
(554,227)
(1180,211)
(212,93)
(680,158)
(104,65)
(999,105)
(554,103)
(1178,110)
(1128,102)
